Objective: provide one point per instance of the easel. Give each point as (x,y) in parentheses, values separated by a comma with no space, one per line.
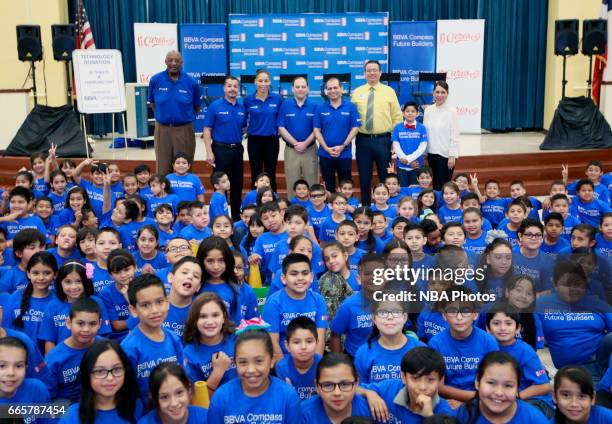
(83,119)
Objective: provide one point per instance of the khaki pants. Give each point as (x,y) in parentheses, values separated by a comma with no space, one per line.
(170,141)
(301,166)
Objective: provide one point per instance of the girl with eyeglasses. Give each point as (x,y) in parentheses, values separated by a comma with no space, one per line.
(379,359)
(336,384)
(108,386)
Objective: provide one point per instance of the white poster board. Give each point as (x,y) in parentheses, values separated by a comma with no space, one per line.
(98,75)
(460,54)
(152,42)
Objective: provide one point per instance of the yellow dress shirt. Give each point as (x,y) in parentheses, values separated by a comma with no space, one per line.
(387,111)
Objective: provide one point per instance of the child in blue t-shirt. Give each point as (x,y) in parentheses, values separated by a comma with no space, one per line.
(573,382)
(269,398)
(302,193)
(99,188)
(185,185)
(122,268)
(162,195)
(25,244)
(20,218)
(431,321)
(553,243)
(148,257)
(497,394)
(148,344)
(492,206)
(586,207)
(451,210)
(409,142)
(164,218)
(143,175)
(16,388)
(266,243)
(393,185)
(318,210)
(63,361)
(593,172)
(209,346)
(603,239)
(380,195)
(346,188)
(293,301)
(534,383)
(66,248)
(560,203)
(380,225)
(475,236)
(218,202)
(516,213)
(379,358)
(462,345)
(299,367)
(527,258)
(348,236)
(328,228)
(198,230)
(58,193)
(107,240)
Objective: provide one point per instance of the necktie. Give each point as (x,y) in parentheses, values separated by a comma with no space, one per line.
(370,111)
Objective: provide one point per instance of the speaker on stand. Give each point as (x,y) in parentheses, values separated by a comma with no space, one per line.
(29,49)
(64,42)
(566,43)
(594,40)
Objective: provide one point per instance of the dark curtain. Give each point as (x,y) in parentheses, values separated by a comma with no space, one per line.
(514,51)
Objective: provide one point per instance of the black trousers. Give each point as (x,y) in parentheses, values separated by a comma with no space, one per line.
(441,173)
(332,166)
(371,149)
(263,156)
(229,159)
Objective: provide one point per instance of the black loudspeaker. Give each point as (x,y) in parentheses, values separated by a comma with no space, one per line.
(29,47)
(64,41)
(566,37)
(594,36)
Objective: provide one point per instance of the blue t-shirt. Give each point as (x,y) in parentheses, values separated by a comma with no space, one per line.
(335,125)
(600,192)
(568,224)
(525,414)
(279,404)
(376,363)
(262,114)
(295,201)
(328,228)
(249,198)
(302,383)
(552,250)
(448,215)
(603,247)
(218,206)
(265,246)
(102,417)
(53,325)
(33,316)
(36,368)
(186,187)
(144,354)
(192,233)
(155,202)
(13,279)
(226,121)
(198,359)
(74,255)
(101,278)
(409,140)
(158,262)
(30,392)
(175,100)
(297,120)
(584,324)
(591,212)
(477,245)
(277,284)
(280,309)
(58,202)
(512,235)
(96,196)
(30,221)
(64,364)
(494,210)
(282,250)
(117,308)
(430,323)
(353,319)
(463,356)
(390,390)
(539,268)
(313,410)
(195,415)
(317,217)
(225,292)
(605,383)
(378,247)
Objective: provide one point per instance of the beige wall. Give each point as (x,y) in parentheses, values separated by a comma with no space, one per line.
(577,66)
(13,72)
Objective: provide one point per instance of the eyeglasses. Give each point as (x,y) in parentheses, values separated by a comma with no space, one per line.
(177,249)
(384,314)
(317,195)
(453,312)
(102,373)
(344,386)
(533,236)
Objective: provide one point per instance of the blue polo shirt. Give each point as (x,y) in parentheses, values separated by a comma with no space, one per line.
(175,101)
(298,120)
(335,124)
(262,115)
(226,121)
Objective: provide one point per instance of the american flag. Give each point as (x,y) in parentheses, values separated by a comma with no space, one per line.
(85,38)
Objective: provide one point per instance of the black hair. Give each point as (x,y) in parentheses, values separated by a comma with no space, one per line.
(442,84)
(300,182)
(319,187)
(77,190)
(10,341)
(301,323)
(558,196)
(68,268)
(140,168)
(526,316)
(372,61)
(26,237)
(448,226)
(400,220)
(296,210)
(111,230)
(423,360)
(85,304)
(257,335)
(528,222)
(125,398)
(183,155)
(184,260)
(251,206)
(367,212)
(295,258)
(45,258)
(333,359)
(54,174)
(585,228)
(142,282)
(410,103)
(422,207)
(150,228)
(21,192)
(216,177)
(119,259)
(518,202)
(295,240)
(556,216)
(260,192)
(499,308)
(584,182)
(577,375)
(469,196)
(565,267)
(375,333)
(158,376)
(249,240)
(412,227)
(269,207)
(82,234)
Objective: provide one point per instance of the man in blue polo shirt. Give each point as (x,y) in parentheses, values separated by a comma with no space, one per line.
(295,126)
(336,122)
(175,97)
(224,125)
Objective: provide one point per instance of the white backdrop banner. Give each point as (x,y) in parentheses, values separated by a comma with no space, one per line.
(98,76)
(460,55)
(152,42)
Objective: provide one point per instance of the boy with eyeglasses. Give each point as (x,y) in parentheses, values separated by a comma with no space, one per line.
(318,210)
(176,249)
(328,228)
(527,259)
(462,345)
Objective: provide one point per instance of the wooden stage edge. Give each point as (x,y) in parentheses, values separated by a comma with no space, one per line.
(537,169)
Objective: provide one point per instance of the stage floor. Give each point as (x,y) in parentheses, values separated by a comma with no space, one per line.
(470,145)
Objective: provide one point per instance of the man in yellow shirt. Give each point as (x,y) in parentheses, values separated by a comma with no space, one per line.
(380,111)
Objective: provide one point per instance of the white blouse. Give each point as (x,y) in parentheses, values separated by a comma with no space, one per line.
(442,126)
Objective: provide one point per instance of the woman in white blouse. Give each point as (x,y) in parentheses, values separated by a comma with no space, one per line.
(443,132)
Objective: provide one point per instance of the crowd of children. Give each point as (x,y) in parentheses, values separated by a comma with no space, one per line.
(119,292)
